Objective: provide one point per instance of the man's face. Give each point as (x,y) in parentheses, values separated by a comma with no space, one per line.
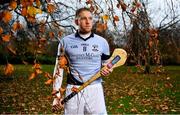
(85,22)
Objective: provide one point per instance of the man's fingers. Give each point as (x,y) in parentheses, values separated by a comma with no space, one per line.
(106,71)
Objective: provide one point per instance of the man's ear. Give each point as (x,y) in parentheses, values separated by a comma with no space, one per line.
(76,21)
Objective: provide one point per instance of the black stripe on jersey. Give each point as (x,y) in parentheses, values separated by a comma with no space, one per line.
(105,57)
(77,35)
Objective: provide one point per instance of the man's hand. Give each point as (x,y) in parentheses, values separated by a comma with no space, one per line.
(106,71)
(57,104)
(57,101)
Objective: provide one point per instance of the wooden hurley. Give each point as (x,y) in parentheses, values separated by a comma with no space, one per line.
(118,58)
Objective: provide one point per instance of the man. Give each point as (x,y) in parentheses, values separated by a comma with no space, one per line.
(86,52)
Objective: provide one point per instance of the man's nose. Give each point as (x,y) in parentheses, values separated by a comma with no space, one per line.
(88,21)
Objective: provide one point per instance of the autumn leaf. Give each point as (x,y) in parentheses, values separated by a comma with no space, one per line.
(13,4)
(31,19)
(60,33)
(32,76)
(49,81)
(51,8)
(6,37)
(100,27)
(1,30)
(105,18)
(24,12)
(7,16)
(8,69)
(38,71)
(116,18)
(51,35)
(123,6)
(16,26)
(38,3)
(32,11)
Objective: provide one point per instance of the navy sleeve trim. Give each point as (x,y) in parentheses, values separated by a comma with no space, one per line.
(105,57)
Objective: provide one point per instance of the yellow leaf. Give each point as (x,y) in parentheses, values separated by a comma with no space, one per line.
(32,11)
(105,18)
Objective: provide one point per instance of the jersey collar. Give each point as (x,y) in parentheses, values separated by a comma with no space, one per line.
(77,35)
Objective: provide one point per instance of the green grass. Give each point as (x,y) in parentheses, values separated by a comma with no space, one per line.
(126,91)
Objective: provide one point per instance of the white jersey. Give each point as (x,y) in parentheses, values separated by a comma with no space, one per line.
(85,55)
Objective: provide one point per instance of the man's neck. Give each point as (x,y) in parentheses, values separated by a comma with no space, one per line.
(84,35)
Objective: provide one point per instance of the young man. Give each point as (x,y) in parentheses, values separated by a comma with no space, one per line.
(86,52)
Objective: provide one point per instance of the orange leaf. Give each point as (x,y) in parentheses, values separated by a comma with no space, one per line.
(17,26)
(49,81)
(1,30)
(8,69)
(38,71)
(60,33)
(24,12)
(6,37)
(38,3)
(51,35)
(7,16)
(37,66)
(101,27)
(32,76)
(51,8)
(31,19)
(13,4)
(116,18)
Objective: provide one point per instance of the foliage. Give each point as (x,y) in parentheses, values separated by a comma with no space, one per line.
(126,91)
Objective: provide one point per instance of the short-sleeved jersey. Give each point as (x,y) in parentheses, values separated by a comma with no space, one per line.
(85,55)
